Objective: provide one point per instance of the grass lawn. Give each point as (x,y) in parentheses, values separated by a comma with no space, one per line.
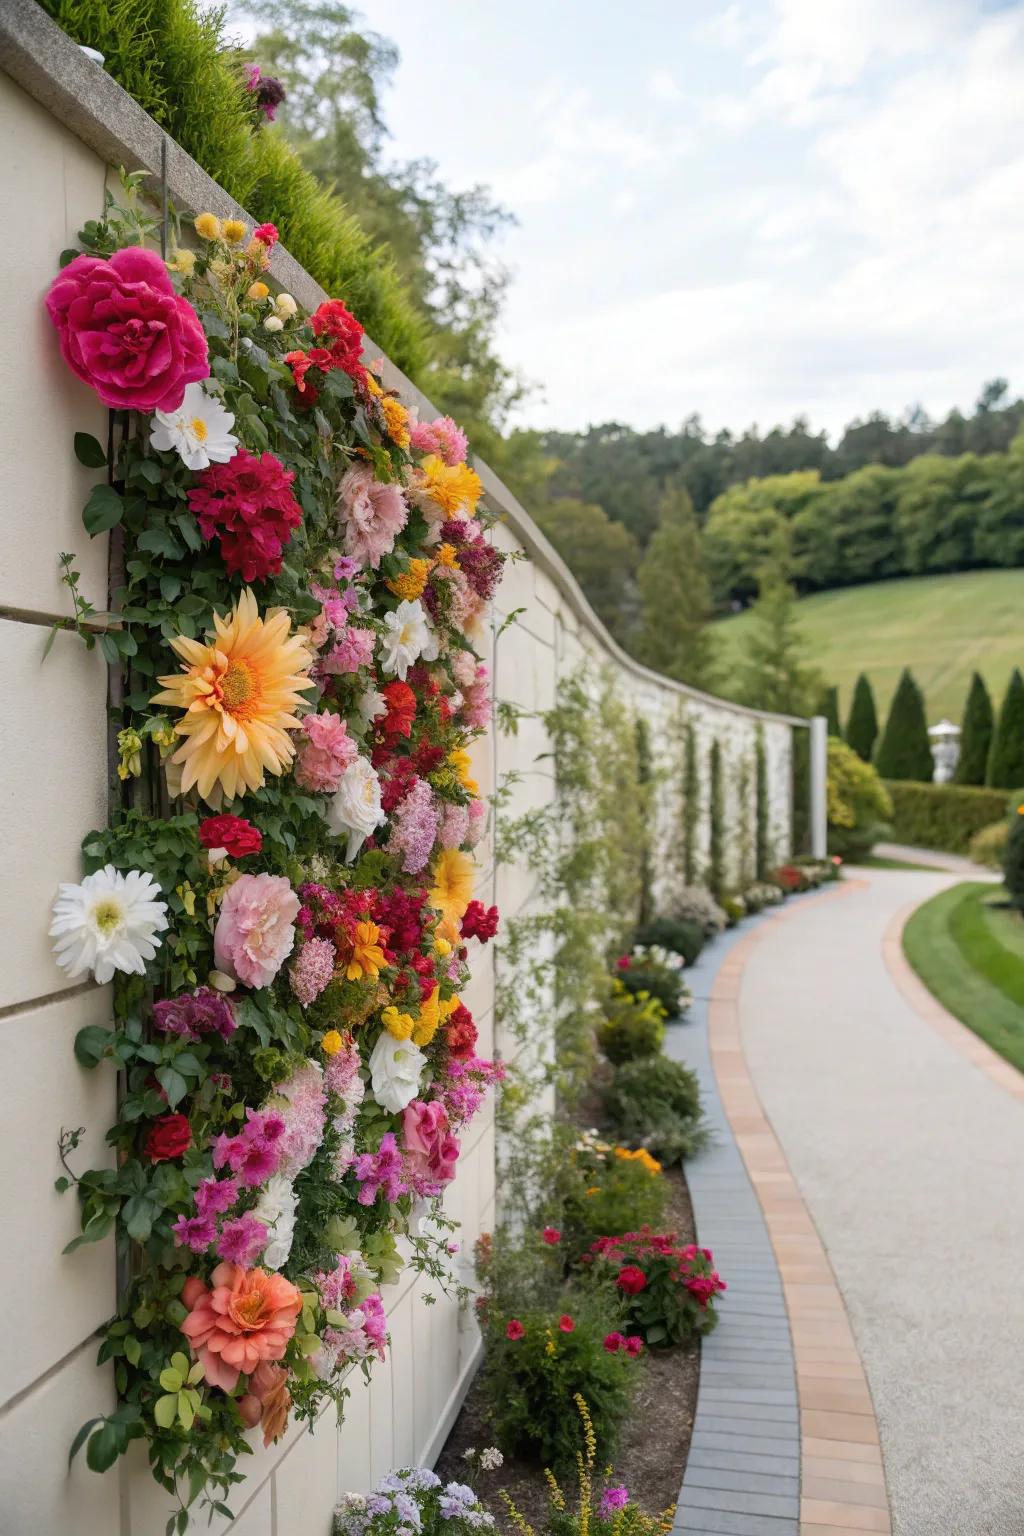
(971,956)
(942,627)
(876,861)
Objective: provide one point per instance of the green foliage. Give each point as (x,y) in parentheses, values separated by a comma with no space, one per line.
(750,526)
(691,804)
(773,672)
(633,1026)
(988,846)
(685,938)
(828,705)
(716,823)
(858,805)
(762,833)
(1006,756)
(674,635)
(943,816)
(653,973)
(1013,857)
(645,782)
(904,752)
(975,734)
(801,791)
(655,1103)
(862,722)
(604,1189)
(602,555)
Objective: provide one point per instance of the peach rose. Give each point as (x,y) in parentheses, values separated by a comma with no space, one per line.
(247,1318)
(268,1399)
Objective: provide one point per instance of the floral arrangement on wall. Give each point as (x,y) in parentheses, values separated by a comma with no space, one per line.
(284,899)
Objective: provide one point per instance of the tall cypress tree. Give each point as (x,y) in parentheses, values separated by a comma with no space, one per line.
(675,623)
(1006,758)
(828,705)
(975,734)
(904,752)
(862,722)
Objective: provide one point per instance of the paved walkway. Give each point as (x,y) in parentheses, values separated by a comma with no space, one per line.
(956,863)
(910,1156)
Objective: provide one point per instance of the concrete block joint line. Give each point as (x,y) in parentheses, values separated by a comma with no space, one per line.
(785,1441)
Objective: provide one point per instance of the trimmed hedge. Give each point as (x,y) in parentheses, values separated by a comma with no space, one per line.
(942,816)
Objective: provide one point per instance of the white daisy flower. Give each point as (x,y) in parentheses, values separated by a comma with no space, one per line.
(108,923)
(199,430)
(407,638)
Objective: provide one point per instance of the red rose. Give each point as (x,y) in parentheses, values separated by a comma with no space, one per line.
(631,1279)
(514,1329)
(232,833)
(566,1324)
(479,922)
(613,1342)
(169,1137)
(342,334)
(124,331)
(634,1345)
(551,1236)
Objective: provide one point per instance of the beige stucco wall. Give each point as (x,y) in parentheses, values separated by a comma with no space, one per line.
(53,788)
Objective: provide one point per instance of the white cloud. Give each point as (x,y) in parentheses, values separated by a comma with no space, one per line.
(663,86)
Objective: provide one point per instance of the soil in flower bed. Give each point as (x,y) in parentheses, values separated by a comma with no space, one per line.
(653,1443)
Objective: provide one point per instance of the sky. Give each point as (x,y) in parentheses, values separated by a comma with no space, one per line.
(749,210)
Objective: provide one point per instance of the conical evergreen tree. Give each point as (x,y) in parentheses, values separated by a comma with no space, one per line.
(862,722)
(773,670)
(675,633)
(903,752)
(828,705)
(1006,758)
(975,734)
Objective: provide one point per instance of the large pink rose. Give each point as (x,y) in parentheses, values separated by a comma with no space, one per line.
(256,928)
(125,331)
(430,1148)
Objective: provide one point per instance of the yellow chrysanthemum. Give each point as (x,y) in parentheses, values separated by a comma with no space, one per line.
(428,1019)
(448,555)
(239,691)
(367,956)
(209,226)
(373,384)
(234,231)
(410,584)
(396,419)
(452,487)
(459,759)
(441,946)
(331,1043)
(183,262)
(452,890)
(398,1025)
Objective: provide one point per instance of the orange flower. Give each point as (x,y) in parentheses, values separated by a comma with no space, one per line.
(367,956)
(247,1317)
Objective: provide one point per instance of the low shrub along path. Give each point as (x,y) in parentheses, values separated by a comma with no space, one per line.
(907,1146)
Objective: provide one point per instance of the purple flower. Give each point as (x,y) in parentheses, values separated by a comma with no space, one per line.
(215,1196)
(194,1232)
(381,1170)
(242,1240)
(612,1499)
(268,91)
(202,1012)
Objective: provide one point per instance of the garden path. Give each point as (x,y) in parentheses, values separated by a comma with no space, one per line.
(906,1139)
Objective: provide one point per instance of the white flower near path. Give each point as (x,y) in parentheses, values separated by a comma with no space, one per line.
(395,1070)
(408,637)
(276,1209)
(199,430)
(355,806)
(108,923)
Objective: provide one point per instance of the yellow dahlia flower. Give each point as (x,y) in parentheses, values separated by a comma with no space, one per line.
(410,584)
(367,956)
(396,419)
(452,487)
(239,691)
(398,1025)
(452,890)
(428,1019)
(459,759)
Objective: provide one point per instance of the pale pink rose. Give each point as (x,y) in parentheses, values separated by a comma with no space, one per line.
(372,514)
(255,929)
(431,1150)
(326,753)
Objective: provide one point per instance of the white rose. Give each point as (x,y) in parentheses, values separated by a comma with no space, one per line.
(395,1068)
(355,806)
(408,638)
(276,1210)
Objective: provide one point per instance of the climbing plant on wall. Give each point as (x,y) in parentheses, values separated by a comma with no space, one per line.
(691,803)
(716,823)
(284,897)
(763,837)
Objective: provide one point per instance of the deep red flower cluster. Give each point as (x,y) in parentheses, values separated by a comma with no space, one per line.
(460,1032)
(479,922)
(248,505)
(234,834)
(631,1279)
(169,1137)
(693,1265)
(342,335)
(401,703)
(631,1344)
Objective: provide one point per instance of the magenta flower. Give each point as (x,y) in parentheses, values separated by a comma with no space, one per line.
(194,1232)
(242,1240)
(215,1196)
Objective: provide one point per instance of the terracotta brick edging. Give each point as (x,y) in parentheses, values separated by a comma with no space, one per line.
(842,1477)
(938,1018)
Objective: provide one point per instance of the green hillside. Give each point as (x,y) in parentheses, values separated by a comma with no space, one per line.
(942,627)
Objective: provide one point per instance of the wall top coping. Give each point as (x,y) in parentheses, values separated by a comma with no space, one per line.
(78,92)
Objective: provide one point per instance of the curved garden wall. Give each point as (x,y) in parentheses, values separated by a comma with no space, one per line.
(64,123)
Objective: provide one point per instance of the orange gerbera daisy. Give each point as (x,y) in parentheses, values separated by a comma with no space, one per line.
(452,890)
(367,956)
(239,691)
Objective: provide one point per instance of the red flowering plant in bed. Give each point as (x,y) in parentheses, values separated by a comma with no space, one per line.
(669,1292)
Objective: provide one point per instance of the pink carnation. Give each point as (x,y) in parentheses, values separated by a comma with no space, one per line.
(256,928)
(301,1102)
(414,828)
(326,753)
(242,1240)
(313,970)
(431,1151)
(476,700)
(352,651)
(442,437)
(124,331)
(372,514)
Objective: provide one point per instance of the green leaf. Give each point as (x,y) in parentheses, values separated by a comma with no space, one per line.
(179,1362)
(103,510)
(80,1438)
(108,645)
(88,451)
(196,1374)
(165,1410)
(189,530)
(104,1448)
(91,1044)
(160,541)
(170,1379)
(133,1350)
(95,1228)
(173,1084)
(138,1215)
(186,1410)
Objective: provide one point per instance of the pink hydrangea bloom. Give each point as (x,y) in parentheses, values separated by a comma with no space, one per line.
(372,514)
(454,825)
(341,1074)
(442,437)
(313,971)
(242,1240)
(350,652)
(302,1104)
(256,928)
(464,668)
(414,828)
(431,1151)
(325,754)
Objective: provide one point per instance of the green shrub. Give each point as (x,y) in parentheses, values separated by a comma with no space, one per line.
(604,1188)
(734,909)
(633,1026)
(858,805)
(943,816)
(862,721)
(532,1377)
(904,751)
(976,729)
(659,972)
(655,1103)
(1013,857)
(988,846)
(828,705)
(684,937)
(1006,756)
(760,895)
